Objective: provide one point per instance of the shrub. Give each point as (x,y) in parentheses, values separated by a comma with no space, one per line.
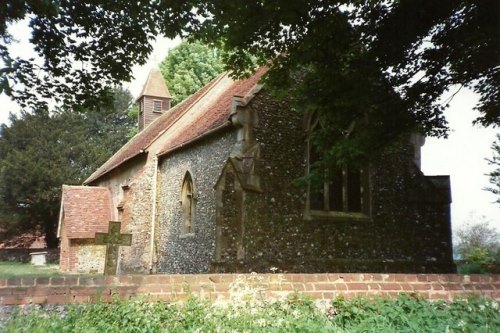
(295,314)
(477,246)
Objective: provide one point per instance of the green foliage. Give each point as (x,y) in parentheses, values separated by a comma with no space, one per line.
(408,314)
(40,151)
(495,174)
(480,256)
(133,114)
(189,67)
(478,247)
(297,314)
(376,66)
(104,38)
(471,268)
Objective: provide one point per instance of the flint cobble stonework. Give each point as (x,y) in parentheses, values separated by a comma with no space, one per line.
(137,219)
(190,253)
(408,230)
(131,186)
(224,287)
(89,257)
(250,214)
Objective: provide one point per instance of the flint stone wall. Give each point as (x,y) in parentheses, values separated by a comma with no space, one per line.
(90,258)
(407,231)
(190,253)
(131,185)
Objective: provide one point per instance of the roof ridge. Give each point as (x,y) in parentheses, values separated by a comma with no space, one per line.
(223,92)
(103,168)
(208,86)
(83,187)
(236,101)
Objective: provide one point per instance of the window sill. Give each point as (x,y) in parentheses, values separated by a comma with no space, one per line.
(336,216)
(183,236)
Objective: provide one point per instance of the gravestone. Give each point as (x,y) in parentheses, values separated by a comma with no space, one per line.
(113,240)
(38,258)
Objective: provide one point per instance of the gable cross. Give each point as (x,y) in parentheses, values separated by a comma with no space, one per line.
(113,240)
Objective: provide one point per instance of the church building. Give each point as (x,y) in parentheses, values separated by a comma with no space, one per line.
(209,186)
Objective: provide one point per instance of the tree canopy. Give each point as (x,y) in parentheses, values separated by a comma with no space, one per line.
(189,67)
(41,151)
(378,67)
(477,245)
(84,47)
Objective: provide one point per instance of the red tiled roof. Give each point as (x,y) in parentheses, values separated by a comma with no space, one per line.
(200,113)
(28,240)
(85,211)
(143,139)
(212,115)
(155,85)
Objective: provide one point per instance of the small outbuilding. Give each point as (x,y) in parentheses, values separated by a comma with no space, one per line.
(84,211)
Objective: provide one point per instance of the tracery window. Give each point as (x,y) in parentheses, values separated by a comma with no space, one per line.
(342,193)
(187,201)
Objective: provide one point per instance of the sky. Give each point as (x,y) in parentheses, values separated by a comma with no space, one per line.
(462,155)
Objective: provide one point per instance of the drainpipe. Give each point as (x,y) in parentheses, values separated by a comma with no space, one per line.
(153,215)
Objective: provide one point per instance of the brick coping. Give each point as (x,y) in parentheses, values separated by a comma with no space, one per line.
(77,289)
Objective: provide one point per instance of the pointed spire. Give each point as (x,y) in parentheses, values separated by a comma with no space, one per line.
(153,100)
(155,85)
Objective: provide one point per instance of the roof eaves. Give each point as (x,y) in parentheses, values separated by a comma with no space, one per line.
(99,173)
(238,101)
(61,212)
(212,84)
(217,129)
(105,169)
(102,169)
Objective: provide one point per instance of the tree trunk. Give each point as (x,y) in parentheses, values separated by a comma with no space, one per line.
(50,229)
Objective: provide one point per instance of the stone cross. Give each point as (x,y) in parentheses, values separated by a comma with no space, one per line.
(113,240)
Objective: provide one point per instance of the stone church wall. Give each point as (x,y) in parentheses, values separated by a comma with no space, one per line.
(131,191)
(193,252)
(89,257)
(81,255)
(410,216)
(260,212)
(404,233)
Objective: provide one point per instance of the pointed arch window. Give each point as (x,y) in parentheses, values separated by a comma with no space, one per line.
(187,201)
(343,193)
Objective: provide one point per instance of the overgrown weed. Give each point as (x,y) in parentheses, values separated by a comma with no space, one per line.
(293,314)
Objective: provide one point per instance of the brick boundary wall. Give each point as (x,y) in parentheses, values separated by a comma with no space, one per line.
(223,287)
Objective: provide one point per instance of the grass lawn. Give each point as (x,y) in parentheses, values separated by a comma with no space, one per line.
(16,269)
